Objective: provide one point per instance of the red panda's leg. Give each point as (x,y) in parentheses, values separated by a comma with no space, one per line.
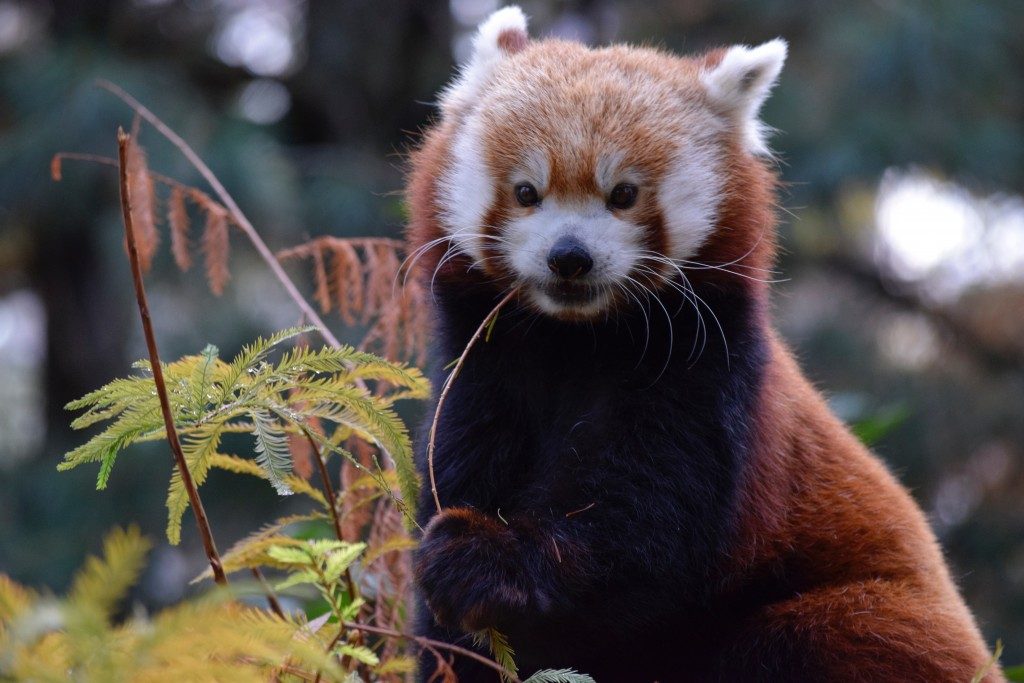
(879,630)
(475,570)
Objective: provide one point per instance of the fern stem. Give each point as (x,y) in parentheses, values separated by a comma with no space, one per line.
(123,141)
(332,501)
(272,601)
(423,642)
(484,325)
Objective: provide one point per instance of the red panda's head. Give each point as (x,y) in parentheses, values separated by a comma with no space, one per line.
(582,175)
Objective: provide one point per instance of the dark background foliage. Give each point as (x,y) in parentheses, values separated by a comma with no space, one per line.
(901,148)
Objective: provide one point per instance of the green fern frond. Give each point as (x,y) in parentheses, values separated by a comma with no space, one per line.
(251,551)
(372,418)
(254,353)
(502,651)
(120,390)
(339,560)
(559,676)
(201,380)
(104,447)
(359,653)
(291,555)
(232,463)
(297,578)
(381,478)
(197,449)
(352,364)
(252,554)
(272,449)
(209,398)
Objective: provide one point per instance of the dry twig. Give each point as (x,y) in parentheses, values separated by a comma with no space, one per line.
(448,385)
(431,644)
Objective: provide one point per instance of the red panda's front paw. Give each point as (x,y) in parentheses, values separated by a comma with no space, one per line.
(466,568)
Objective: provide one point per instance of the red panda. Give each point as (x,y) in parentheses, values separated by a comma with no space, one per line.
(639,482)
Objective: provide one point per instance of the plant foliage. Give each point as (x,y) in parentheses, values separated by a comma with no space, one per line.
(216,638)
(265,398)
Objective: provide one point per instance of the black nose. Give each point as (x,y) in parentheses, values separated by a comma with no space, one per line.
(568,258)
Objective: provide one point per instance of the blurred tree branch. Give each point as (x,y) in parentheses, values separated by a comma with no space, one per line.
(904,296)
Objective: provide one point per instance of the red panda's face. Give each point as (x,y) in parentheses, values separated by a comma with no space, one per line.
(585,177)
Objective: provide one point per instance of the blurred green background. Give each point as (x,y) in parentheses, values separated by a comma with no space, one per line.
(901,145)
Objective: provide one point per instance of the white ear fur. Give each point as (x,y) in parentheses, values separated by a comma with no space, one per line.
(740,84)
(501,35)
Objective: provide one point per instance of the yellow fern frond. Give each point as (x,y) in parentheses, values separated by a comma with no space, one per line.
(102,582)
(197,449)
(14,599)
(396,543)
(232,463)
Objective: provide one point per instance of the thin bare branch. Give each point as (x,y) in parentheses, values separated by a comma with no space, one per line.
(123,143)
(272,601)
(448,385)
(431,643)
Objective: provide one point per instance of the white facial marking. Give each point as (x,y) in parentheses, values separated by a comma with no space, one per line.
(740,84)
(534,170)
(689,196)
(467,190)
(610,171)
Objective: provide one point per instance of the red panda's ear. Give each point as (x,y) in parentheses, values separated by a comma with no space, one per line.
(503,34)
(738,83)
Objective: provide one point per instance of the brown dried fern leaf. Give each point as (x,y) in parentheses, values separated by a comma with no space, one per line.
(347,280)
(443,671)
(358,493)
(382,264)
(143,196)
(215,244)
(365,286)
(323,291)
(389,542)
(177,219)
(401,329)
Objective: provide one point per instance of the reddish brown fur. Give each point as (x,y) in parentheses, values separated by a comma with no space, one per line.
(512,41)
(818,507)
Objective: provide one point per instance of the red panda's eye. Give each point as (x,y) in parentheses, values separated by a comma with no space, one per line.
(526,194)
(622,196)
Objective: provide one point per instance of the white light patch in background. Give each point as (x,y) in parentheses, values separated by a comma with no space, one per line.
(261,36)
(960,493)
(940,234)
(472,12)
(467,15)
(264,101)
(22,351)
(908,341)
(21,24)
